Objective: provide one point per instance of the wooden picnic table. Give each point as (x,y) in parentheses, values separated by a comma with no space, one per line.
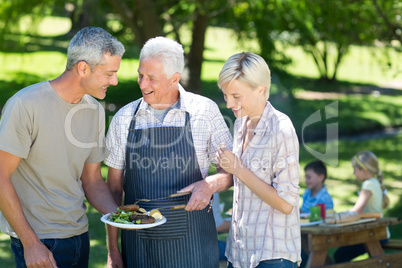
(316,240)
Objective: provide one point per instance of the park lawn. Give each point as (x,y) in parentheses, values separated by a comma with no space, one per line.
(341,184)
(356,113)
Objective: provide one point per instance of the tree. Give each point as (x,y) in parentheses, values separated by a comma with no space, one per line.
(81,14)
(12,11)
(323,26)
(389,20)
(150,18)
(260,20)
(324,29)
(139,19)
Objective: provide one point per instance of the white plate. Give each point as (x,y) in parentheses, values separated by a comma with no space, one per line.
(310,223)
(132,226)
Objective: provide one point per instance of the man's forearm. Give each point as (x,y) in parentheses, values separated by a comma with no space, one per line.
(220,181)
(112,238)
(100,197)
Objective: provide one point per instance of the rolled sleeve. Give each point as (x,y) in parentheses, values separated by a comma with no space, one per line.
(286,166)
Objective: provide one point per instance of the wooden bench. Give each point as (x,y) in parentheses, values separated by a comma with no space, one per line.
(393,244)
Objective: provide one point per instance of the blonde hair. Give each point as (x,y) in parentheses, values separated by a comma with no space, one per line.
(246,67)
(368,161)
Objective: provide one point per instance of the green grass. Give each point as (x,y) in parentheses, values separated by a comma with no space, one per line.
(356,113)
(360,65)
(340,182)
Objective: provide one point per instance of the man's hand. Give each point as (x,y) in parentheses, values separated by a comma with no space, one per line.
(38,255)
(200,197)
(114,259)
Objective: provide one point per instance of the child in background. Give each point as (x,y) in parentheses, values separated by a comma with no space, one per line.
(372,198)
(316,192)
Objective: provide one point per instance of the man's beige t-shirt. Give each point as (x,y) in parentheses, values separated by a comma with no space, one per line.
(55,139)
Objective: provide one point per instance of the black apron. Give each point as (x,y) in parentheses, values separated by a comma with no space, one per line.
(159,162)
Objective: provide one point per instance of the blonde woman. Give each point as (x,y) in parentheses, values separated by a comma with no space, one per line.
(265,227)
(372,197)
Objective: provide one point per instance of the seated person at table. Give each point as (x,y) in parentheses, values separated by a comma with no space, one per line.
(372,198)
(316,192)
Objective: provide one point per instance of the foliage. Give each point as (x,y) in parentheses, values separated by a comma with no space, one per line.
(389,22)
(150,18)
(137,20)
(355,114)
(20,70)
(325,29)
(395,211)
(260,20)
(12,12)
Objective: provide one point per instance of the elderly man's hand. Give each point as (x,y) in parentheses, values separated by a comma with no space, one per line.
(200,197)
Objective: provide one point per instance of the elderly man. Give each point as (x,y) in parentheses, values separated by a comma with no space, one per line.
(161,144)
(51,146)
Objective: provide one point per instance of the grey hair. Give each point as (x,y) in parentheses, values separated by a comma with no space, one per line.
(90,44)
(168,52)
(246,67)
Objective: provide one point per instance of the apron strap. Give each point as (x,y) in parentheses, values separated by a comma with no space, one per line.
(132,123)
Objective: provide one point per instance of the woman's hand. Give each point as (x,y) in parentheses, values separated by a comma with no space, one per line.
(227,160)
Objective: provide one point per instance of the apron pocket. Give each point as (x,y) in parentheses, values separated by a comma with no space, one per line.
(176,224)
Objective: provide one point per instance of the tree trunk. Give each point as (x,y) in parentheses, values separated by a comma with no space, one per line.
(195,57)
(147,20)
(141,18)
(82,19)
(325,60)
(341,51)
(315,53)
(126,14)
